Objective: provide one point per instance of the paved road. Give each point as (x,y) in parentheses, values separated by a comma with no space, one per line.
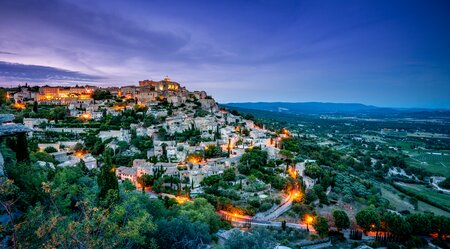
(245,220)
(283,207)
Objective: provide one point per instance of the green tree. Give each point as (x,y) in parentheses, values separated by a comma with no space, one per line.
(313,170)
(254,158)
(107,180)
(396,225)
(229,175)
(200,210)
(2,96)
(50,149)
(22,153)
(8,198)
(212,151)
(341,220)
(35,107)
(368,219)
(445,184)
(42,156)
(182,233)
(420,223)
(128,186)
(78,147)
(100,94)
(145,181)
(320,224)
(58,113)
(255,239)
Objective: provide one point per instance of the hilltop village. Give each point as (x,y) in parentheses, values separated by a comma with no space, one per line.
(191,137)
(154,164)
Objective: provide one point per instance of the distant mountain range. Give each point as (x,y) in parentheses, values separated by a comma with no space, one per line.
(327,108)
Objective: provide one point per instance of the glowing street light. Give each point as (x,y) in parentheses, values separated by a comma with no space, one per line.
(86,116)
(309,219)
(19,106)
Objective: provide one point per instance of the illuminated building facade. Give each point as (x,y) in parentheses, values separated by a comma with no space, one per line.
(164,85)
(64,94)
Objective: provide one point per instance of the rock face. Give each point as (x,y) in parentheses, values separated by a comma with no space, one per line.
(6,118)
(13,129)
(10,129)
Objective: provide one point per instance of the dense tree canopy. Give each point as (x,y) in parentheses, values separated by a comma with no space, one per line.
(368,218)
(320,224)
(341,220)
(254,158)
(256,239)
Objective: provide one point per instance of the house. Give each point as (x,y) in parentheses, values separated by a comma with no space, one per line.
(124,173)
(33,122)
(60,156)
(121,135)
(90,161)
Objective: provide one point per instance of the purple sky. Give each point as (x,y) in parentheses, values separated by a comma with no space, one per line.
(385,53)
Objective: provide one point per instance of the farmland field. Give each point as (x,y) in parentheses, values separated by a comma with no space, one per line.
(434,163)
(429,193)
(393,196)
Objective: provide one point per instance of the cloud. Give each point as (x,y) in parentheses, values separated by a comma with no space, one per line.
(63,26)
(8,53)
(14,72)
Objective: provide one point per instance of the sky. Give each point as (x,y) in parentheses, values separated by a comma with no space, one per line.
(385,53)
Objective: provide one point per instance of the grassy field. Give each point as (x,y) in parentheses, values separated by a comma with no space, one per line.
(436,164)
(394,198)
(430,193)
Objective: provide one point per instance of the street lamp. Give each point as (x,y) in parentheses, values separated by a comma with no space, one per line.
(308,219)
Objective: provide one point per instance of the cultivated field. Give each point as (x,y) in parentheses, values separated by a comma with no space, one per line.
(430,193)
(434,163)
(400,201)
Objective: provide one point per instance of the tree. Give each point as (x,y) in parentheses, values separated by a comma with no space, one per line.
(35,107)
(368,219)
(445,183)
(107,180)
(28,177)
(310,196)
(217,133)
(50,149)
(212,151)
(128,186)
(254,239)
(78,147)
(100,94)
(200,210)
(254,158)
(145,181)
(127,224)
(341,220)
(83,167)
(42,156)
(3,95)
(420,223)
(22,153)
(181,233)
(229,174)
(164,152)
(58,113)
(8,198)
(396,225)
(321,226)
(313,170)
(122,146)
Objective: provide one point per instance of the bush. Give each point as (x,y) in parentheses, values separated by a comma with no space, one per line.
(50,150)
